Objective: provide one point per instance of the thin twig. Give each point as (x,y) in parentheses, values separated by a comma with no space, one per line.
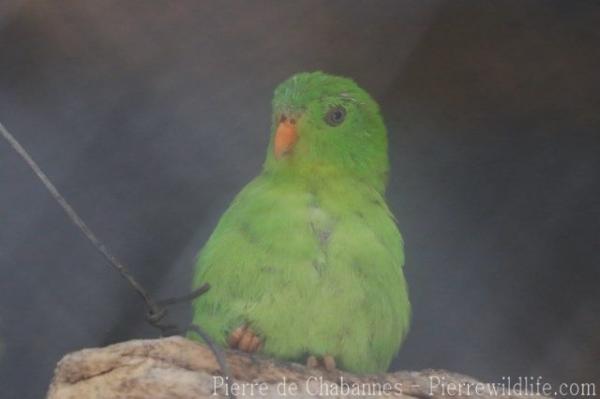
(219,356)
(185,298)
(156,318)
(76,219)
(156,310)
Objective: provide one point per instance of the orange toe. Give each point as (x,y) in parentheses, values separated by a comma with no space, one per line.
(244,339)
(329,362)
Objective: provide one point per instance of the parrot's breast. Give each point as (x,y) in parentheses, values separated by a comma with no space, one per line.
(314,270)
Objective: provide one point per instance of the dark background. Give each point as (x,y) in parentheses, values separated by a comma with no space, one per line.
(151,116)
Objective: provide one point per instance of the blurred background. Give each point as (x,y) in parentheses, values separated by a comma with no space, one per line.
(151,116)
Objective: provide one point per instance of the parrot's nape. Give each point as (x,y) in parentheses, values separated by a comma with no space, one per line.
(306,264)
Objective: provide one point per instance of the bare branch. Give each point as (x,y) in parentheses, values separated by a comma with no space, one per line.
(156,311)
(153,309)
(175,367)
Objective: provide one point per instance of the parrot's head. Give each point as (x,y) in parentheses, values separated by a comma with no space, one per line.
(327,126)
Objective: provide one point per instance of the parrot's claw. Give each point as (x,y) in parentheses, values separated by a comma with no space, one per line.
(312,362)
(244,339)
(327,362)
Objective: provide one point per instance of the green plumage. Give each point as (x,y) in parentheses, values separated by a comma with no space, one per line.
(308,254)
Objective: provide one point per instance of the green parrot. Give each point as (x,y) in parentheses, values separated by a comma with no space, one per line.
(306,264)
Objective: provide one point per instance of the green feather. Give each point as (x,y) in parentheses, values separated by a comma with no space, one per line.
(308,254)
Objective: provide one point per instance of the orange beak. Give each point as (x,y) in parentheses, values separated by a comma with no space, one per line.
(285,139)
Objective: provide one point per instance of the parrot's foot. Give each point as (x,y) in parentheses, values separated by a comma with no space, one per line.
(327,362)
(312,362)
(244,339)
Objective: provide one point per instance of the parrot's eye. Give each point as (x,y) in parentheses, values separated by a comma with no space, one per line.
(335,116)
